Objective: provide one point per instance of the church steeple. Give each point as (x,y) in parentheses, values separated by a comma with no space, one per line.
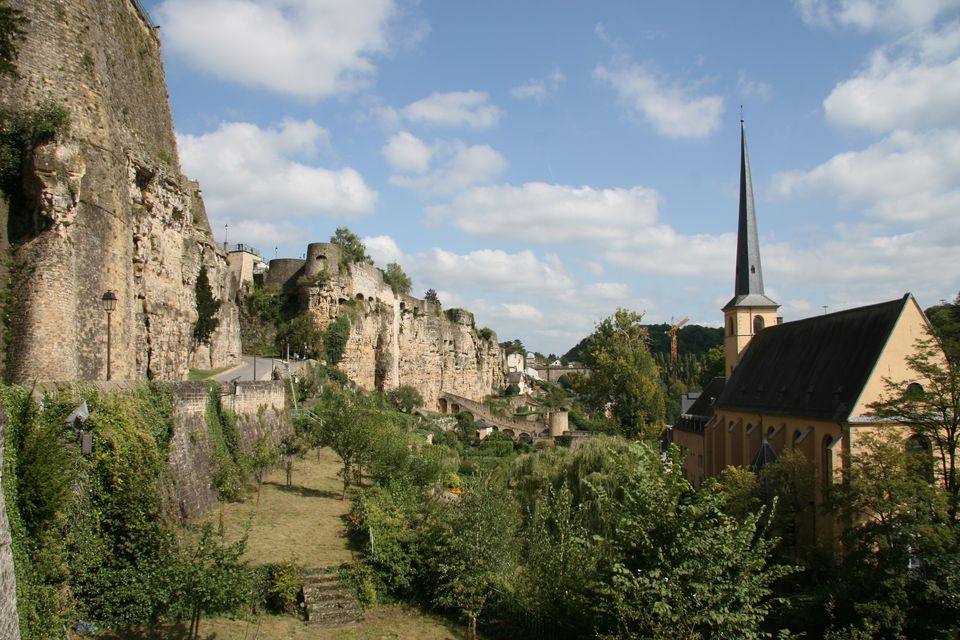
(749,274)
(750,310)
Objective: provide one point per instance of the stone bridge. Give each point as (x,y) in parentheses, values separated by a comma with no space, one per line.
(513,427)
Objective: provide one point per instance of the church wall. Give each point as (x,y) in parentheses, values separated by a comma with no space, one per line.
(892,363)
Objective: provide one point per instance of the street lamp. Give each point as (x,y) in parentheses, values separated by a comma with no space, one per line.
(109,301)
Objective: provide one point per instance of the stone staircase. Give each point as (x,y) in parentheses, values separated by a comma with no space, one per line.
(326,602)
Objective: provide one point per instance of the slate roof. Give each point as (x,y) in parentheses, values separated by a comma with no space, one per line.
(700,412)
(813,368)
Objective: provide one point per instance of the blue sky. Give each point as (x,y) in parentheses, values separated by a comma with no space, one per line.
(542,163)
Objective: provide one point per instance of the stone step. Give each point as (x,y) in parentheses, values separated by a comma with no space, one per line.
(326,602)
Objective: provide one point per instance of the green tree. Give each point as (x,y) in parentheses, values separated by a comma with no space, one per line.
(713,364)
(473,551)
(406,398)
(352,248)
(899,575)
(618,544)
(343,423)
(624,380)
(945,319)
(395,277)
(207,308)
(303,336)
(431,296)
(335,339)
(929,406)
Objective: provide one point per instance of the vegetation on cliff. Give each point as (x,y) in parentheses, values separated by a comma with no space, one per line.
(207,308)
(92,532)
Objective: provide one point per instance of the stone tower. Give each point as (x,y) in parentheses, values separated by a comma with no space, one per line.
(749,311)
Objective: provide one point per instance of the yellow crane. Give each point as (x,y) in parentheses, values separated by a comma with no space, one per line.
(672,332)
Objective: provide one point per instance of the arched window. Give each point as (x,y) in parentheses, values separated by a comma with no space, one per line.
(914,391)
(797,436)
(729,326)
(757,324)
(826,462)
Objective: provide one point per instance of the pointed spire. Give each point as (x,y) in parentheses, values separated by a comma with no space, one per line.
(748,290)
(749,274)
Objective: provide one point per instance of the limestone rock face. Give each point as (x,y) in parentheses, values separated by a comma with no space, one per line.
(105,207)
(397,339)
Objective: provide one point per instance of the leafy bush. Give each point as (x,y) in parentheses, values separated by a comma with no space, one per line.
(335,339)
(397,280)
(283,587)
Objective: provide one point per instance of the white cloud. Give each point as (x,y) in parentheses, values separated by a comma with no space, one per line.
(870,15)
(311,49)
(406,152)
(539,89)
(512,311)
(906,176)
(383,250)
(548,213)
(249,172)
(753,88)
(492,270)
(463,167)
(606,291)
(915,83)
(471,109)
(672,109)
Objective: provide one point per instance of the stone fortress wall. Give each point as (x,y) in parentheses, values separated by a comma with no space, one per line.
(106,208)
(394,339)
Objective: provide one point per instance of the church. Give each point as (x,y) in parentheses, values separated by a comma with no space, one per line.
(805,385)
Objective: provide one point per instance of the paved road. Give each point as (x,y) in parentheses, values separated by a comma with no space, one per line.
(245,370)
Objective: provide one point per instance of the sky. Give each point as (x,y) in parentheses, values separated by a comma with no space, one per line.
(542,163)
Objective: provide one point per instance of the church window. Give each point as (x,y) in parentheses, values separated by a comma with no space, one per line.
(920,457)
(826,465)
(730,326)
(757,324)
(914,392)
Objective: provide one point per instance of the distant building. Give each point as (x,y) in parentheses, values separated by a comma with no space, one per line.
(245,262)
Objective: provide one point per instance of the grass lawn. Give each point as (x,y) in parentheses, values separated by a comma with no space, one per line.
(203,374)
(303,523)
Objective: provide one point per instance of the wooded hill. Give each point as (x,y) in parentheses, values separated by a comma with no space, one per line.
(692,339)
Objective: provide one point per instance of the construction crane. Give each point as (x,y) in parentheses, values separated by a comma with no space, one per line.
(672,332)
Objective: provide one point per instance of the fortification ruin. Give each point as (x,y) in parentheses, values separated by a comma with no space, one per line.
(104,207)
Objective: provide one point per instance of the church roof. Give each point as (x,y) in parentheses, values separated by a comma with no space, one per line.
(813,368)
(748,285)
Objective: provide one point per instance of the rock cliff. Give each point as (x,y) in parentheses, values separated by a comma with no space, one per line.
(104,207)
(394,339)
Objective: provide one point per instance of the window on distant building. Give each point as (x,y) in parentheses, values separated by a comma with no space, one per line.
(757,324)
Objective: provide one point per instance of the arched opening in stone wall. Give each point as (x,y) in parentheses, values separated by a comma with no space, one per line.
(360,297)
(442,405)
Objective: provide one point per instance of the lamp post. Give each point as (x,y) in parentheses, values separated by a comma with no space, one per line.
(109,301)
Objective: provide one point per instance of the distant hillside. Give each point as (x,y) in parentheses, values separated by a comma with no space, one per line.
(693,339)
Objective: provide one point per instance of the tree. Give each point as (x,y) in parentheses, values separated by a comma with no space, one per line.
(335,339)
(431,296)
(352,248)
(302,335)
(345,425)
(11,34)
(395,277)
(624,380)
(713,363)
(899,575)
(618,544)
(929,406)
(474,550)
(406,398)
(207,308)
(945,319)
